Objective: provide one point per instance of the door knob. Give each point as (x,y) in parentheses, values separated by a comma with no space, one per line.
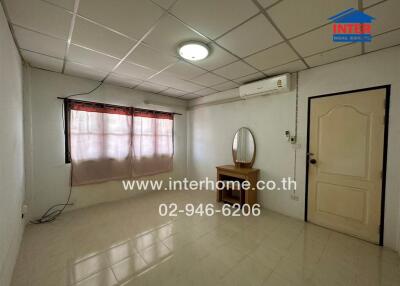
(313,161)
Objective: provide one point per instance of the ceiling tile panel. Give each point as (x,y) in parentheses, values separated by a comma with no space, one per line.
(367,3)
(206,91)
(383,41)
(169,33)
(250,78)
(267,3)
(272,57)
(91,58)
(151,58)
(386,16)
(40,43)
(253,36)
(173,92)
(208,79)
(186,86)
(235,70)
(213,18)
(41,61)
(334,55)
(225,86)
(130,17)
(122,80)
(287,68)
(40,16)
(135,71)
(184,70)
(190,96)
(151,87)
(80,70)
(294,17)
(316,41)
(217,58)
(167,79)
(97,38)
(67,4)
(164,3)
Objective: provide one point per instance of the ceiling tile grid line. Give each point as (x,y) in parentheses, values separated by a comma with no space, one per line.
(22,49)
(140,41)
(273,4)
(375,4)
(206,82)
(386,32)
(236,26)
(265,13)
(361,8)
(56,5)
(36,31)
(90,20)
(328,50)
(282,65)
(102,53)
(105,27)
(71,30)
(209,39)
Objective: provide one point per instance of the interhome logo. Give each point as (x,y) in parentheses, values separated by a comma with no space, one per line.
(352,26)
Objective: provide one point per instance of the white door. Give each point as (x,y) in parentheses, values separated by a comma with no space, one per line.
(346,144)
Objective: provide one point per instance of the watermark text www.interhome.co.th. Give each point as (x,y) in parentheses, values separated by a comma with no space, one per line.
(285,184)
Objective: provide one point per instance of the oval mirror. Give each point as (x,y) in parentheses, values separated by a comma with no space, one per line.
(243,148)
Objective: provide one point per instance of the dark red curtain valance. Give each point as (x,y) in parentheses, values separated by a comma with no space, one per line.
(100,108)
(150,114)
(116,109)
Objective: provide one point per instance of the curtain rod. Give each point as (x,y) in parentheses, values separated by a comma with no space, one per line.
(118,106)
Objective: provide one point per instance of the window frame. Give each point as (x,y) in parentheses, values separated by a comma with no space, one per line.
(67,115)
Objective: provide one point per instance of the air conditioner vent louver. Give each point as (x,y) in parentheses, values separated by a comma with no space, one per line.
(276,84)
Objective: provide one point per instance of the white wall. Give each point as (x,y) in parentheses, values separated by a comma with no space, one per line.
(48,175)
(11,152)
(211,129)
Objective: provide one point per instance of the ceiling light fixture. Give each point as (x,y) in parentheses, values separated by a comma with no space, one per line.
(193,51)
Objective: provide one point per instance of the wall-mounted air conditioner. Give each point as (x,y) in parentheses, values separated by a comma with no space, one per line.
(277,84)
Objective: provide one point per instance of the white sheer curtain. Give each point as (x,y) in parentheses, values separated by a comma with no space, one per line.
(152,143)
(117,143)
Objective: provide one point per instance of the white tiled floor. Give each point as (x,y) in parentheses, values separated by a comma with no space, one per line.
(128,243)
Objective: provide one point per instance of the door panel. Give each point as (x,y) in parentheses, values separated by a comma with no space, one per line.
(347,141)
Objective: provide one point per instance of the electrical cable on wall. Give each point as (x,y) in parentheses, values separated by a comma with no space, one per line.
(83,93)
(295,127)
(52,213)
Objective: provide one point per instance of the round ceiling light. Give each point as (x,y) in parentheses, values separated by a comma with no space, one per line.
(193,51)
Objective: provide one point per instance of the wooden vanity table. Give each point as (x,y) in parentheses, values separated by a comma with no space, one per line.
(244,154)
(237,174)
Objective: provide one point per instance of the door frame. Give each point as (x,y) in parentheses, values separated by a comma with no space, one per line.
(385,147)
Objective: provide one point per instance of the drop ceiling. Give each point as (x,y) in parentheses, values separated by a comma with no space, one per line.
(132,43)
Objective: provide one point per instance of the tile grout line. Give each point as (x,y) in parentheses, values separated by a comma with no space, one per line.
(71,31)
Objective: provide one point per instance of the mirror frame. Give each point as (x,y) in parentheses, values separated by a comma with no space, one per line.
(251,163)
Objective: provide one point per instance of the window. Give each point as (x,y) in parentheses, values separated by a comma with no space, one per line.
(113,142)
